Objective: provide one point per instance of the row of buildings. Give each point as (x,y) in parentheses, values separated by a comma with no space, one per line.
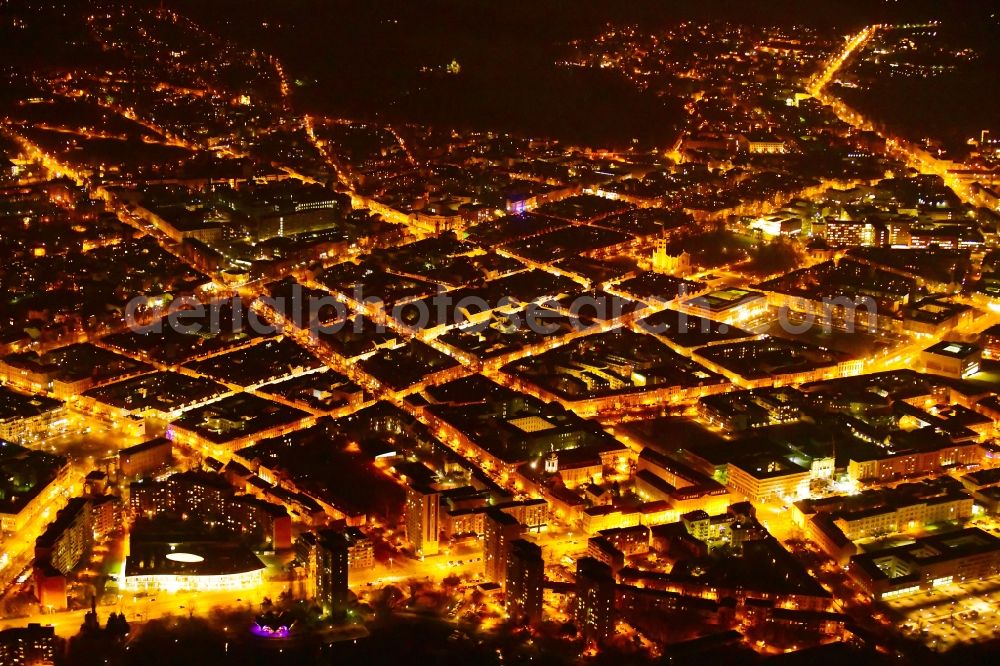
(68,540)
(211,499)
(431,514)
(836,523)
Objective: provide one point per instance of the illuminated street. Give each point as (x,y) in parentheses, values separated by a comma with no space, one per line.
(480,333)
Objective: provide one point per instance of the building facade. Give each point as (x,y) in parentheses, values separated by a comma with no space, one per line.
(594,606)
(525,579)
(500,530)
(422,515)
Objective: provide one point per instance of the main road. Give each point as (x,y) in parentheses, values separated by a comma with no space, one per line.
(897,147)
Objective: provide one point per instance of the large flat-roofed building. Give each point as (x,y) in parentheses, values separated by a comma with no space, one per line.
(153,565)
(602,550)
(763,570)
(577,466)
(614,545)
(730,305)
(766,478)
(954,359)
(931,561)
(145,458)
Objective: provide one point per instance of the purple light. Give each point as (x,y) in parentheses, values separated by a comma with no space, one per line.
(271,632)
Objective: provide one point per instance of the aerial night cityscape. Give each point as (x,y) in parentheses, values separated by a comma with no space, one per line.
(470,332)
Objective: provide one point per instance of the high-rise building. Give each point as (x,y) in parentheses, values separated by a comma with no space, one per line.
(525,579)
(327,556)
(595,599)
(422,512)
(33,645)
(68,538)
(499,531)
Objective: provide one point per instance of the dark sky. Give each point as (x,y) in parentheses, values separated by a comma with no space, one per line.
(361,57)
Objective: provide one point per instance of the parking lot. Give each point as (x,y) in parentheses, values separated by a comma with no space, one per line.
(950,614)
